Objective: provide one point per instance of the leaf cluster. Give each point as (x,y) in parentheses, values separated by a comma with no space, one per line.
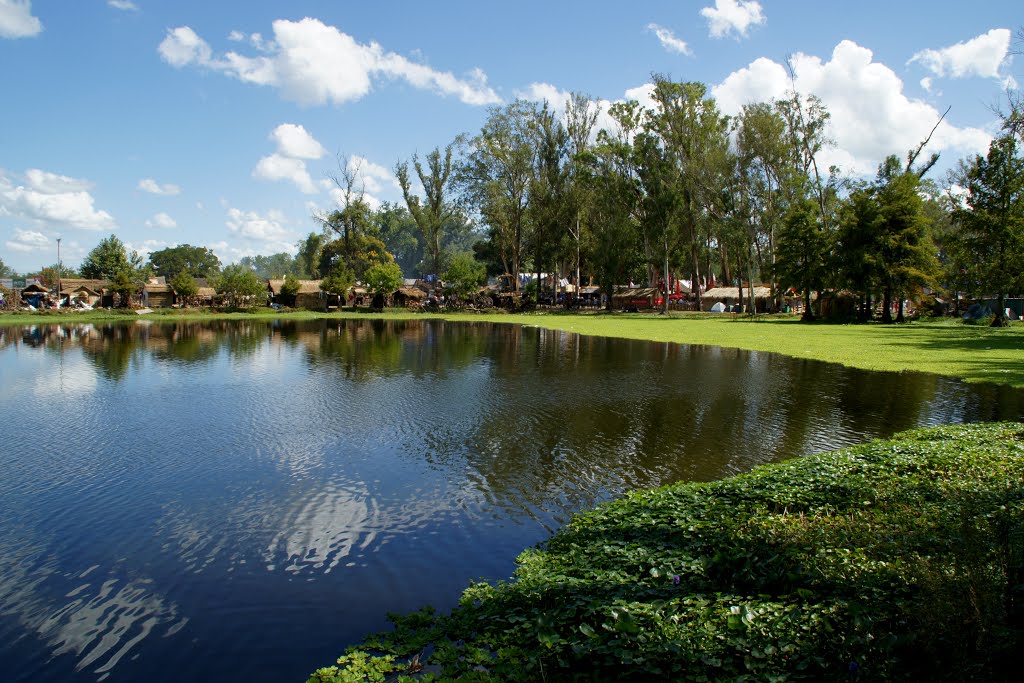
(899,559)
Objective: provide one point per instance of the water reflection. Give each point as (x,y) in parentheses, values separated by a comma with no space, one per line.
(261,491)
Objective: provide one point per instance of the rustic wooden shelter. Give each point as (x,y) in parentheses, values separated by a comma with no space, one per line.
(156,293)
(99,293)
(406,295)
(80,294)
(309,295)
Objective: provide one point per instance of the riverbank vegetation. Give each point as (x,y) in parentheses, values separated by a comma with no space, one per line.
(895,560)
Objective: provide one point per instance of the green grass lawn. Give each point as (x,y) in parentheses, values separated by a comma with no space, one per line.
(944,347)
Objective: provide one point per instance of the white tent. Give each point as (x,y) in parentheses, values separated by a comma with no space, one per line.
(718,308)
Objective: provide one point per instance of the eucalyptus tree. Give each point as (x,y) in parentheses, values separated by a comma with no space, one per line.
(550,204)
(695,139)
(435,209)
(612,178)
(990,217)
(581,112)
(496,178)
(764,169)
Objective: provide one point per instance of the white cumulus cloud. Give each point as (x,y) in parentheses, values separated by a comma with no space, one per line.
(871,115)
(294,146)
(153,187)
(161,221)
(30,240)
(267,232)
(669,41)
(16,20)
(733,16)
(313,63)
(982,56)
(295,141)
(52,198)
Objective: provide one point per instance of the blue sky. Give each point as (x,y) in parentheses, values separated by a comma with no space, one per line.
(218,124)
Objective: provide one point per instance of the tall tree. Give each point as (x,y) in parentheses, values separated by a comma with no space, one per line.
(196,261)
(307,260)
(991,220)
(803,253)
(496,177)
(764,170)
(581,114)
(5,271)
(905,250)
(695,136)
(433,211)
(549,191)
(108,259)
(401,236)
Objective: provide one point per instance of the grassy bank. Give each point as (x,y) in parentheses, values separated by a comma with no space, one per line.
(895,560)
(944,347)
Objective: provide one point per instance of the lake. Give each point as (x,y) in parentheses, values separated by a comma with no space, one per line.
(242,499)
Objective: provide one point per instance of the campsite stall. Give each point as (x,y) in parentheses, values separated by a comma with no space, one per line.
(727,299)
(637,298)
(35,295)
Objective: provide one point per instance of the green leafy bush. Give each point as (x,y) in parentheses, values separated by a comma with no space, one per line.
(895,560)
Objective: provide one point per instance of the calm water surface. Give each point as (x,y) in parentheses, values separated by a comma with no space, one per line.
(240,500)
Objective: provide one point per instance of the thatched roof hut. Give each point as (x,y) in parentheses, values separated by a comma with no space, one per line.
(406,295)
(309,295)
(730,296)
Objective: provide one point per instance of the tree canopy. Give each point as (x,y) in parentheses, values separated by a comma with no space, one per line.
(196,261)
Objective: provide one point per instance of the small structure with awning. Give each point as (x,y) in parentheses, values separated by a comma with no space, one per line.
(309,295)
(730,297)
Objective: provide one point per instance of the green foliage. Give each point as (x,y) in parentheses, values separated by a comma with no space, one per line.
(49,274)
(338,281)
(108,259)
(991,220)
(273,266)
(383,278)
(290,287)
(464,275)
(241,287)
(125,286)
(5,271)
(185,286)
(196,261)
(435,209)
(905,557)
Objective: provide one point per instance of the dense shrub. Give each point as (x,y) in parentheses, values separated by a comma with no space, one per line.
(899,559)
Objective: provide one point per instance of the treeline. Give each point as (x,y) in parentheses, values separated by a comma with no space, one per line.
(681,191)
(674,191)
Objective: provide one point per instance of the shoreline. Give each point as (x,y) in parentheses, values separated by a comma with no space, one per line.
(947,347)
